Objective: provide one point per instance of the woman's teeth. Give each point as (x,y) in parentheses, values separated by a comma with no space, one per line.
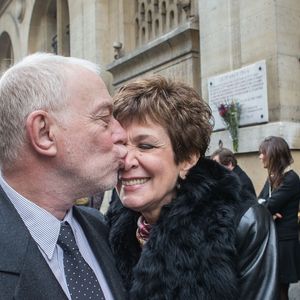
(134,181)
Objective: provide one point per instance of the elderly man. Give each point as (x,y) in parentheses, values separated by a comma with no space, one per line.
(58,142)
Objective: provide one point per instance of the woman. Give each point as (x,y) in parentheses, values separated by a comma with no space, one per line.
(183,229)
(281,195)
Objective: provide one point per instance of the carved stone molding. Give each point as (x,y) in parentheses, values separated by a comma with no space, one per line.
(289,130)
(20,10)
(3,5)
(154,18)
(181,43)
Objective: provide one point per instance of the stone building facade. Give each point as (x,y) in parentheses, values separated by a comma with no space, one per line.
(188,40)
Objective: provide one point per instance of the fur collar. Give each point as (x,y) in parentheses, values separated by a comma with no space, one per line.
(191,251)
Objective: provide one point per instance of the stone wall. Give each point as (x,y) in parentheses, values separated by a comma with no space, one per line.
(236,33)
(189,40)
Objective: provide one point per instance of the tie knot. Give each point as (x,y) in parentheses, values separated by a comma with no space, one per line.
(66,239)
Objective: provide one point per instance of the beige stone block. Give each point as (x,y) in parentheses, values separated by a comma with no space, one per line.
(215,53)
(213,16)
(288,24)
(291,4)
(289,87)
(184,69)
(258,35)
(252,8)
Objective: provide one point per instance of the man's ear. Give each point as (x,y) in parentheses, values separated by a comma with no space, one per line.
(39,128)
(187,165)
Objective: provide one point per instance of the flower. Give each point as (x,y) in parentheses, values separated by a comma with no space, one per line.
(222,110)
(230,113)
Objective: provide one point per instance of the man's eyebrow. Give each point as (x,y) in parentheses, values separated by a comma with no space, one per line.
(103,107)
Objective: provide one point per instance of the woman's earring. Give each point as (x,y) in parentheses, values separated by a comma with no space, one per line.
(182,175)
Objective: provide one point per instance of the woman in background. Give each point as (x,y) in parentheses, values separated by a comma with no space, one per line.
(183,228)
(281,195)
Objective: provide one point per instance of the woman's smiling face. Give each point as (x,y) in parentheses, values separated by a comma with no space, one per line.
(149,178)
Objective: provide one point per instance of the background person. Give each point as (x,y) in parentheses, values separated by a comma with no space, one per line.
(281,195)
(226,158)
(94,201)
(58,142)
(181,230)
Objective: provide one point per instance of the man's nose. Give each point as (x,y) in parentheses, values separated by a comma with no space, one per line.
(119,137)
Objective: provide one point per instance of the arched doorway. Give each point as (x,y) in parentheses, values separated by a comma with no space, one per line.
(6,52)
(49,27)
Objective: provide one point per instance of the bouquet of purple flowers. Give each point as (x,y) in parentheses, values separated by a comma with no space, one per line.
(230,113)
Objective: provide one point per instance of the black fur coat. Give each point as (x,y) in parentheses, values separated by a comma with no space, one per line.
(191,252)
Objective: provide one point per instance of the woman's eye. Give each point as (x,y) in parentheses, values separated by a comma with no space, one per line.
(146,146)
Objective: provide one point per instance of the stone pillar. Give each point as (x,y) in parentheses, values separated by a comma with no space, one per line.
(59,26)
(90,33)
(63,42)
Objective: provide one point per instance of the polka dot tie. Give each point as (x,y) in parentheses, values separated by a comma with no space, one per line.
(81,279)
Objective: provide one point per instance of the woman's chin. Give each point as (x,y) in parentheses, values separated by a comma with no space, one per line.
(130,203)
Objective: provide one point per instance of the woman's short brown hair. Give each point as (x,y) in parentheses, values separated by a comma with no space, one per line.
(176,106)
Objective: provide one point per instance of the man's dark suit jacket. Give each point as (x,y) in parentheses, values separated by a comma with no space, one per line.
(245,180)
(24,273)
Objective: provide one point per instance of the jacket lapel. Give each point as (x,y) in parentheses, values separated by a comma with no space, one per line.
(21,261)
(36,279)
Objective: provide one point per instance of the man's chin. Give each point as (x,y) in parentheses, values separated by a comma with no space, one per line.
(112,184)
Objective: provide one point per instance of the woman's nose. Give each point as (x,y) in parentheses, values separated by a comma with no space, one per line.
(131,159)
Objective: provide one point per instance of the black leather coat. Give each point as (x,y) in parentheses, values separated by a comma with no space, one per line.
(211,242)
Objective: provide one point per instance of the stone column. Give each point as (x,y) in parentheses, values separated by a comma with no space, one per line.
(63,42)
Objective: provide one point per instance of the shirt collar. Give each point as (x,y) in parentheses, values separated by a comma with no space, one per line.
(43,226)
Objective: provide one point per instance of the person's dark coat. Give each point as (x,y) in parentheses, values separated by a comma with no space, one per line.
(208,243)
(284,200)
(245,180)
(24,273)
